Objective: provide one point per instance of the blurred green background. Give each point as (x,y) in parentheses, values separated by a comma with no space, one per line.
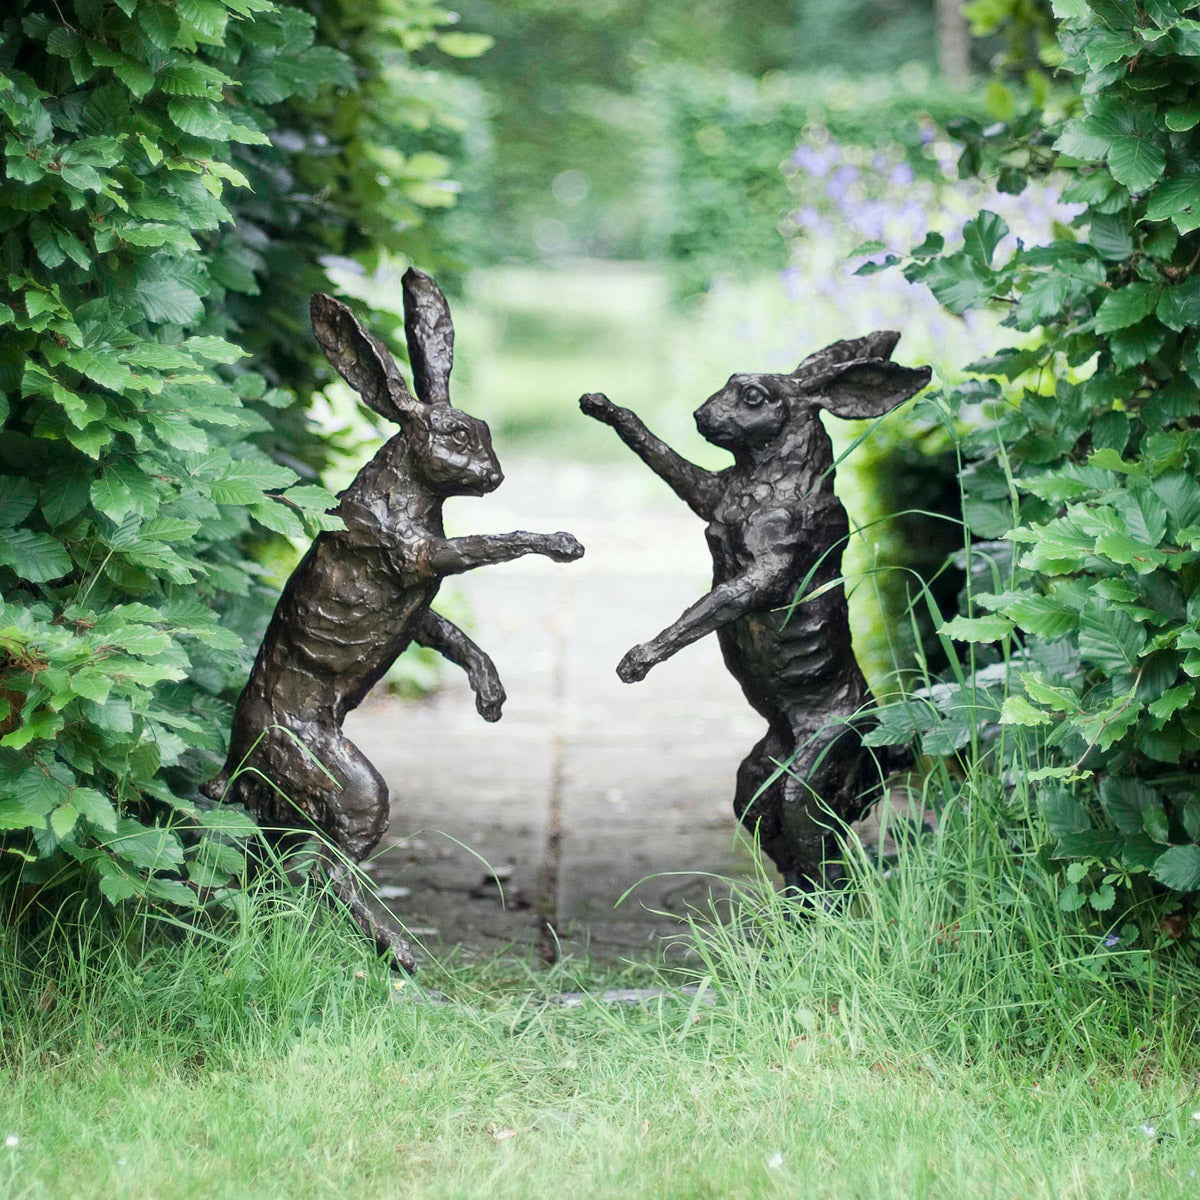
(655,196)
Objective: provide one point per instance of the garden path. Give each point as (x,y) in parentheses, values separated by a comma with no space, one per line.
(587,787)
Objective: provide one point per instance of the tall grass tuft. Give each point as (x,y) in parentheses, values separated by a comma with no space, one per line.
(952,946)
(277,961)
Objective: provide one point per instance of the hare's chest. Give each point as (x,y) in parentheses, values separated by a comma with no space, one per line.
(725,535)
(726,532)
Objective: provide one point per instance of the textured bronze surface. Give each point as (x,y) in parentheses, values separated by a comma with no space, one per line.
(363,593)
(775,528)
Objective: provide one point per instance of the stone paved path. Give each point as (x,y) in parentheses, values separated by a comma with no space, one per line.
(587,787)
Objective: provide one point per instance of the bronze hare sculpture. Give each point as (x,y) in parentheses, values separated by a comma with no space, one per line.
(774,524)
(363,593)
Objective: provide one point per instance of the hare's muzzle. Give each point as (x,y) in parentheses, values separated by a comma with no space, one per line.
(710,424)
(490,479)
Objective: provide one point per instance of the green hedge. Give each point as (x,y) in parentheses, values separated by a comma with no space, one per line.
(1088,469)
(173,174)
(576,127)
(356,172)
(722,193)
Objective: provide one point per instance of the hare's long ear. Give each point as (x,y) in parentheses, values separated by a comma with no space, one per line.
(868,387)
(360,358)
(430,335)
(879,344)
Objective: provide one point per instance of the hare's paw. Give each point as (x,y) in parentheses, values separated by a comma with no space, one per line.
(635,666)
(598,405)
(489,698)
(562,547)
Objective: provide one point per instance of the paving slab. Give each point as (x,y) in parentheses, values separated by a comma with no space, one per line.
(587,788)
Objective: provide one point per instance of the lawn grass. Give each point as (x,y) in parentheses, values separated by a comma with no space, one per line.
(944,1030)
(484,1104)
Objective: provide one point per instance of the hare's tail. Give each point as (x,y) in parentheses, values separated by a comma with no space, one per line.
(215,788)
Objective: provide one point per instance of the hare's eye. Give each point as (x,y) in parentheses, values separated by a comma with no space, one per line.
(753,397)
(461,437)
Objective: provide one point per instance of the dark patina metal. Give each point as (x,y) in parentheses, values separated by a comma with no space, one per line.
(362,594)
(775,528)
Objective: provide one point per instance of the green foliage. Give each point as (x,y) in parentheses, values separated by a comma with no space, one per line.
(354,173)
(1088,464)
(728,145)
(572,131)
(1022,34)
(130,477)
(579,142)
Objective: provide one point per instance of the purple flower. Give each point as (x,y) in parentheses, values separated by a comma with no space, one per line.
(871,219)
(1112,940)
(901,175)
(840,183)
(816,161)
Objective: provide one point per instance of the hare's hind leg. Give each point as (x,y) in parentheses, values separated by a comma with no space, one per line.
(757,804)
(357,811)
(356,818)
(826,788)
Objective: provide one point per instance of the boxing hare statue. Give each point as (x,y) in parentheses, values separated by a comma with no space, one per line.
(362,593)
(775,525)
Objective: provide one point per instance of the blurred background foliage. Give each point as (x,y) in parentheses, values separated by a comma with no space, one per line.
(601,112)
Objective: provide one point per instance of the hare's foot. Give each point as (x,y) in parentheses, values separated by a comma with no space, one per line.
(388,942)
(825,789)
(560,547)
(636,664)
(394,948)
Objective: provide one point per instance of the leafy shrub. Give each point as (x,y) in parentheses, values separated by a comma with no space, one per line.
(352,174)
(575,139)
(130,480)
(1086,468)
(726,139)
(891,195)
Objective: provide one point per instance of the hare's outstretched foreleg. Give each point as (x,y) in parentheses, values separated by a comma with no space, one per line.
(436,633)
(723,605)
(697,488)
(769,538)
(453,556)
